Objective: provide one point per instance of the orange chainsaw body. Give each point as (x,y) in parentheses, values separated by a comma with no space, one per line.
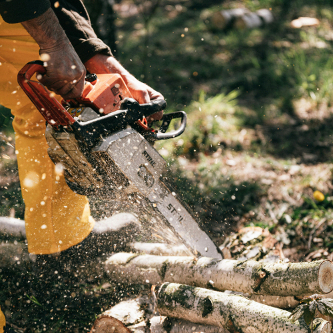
(104,95)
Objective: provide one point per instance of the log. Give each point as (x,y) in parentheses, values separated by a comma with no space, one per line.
(250,277)
(117,231)
(234,313)
(304,22)
(225,18)
(132,314)
(159,249)
(281,302)
(137,315)
(257,19)
(12,227)
(124,224)
(110,325)
(162,324)
(129,312)
(248,21)
(265,15)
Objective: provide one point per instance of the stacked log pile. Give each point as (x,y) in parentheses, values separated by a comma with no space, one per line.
(189,291)
(249,291)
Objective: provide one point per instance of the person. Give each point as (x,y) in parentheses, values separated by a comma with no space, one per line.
(2,321)
(57,220)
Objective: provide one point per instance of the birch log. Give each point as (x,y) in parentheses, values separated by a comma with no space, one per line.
(12,227)
(250,277)
(109,325)
(162,324)
(282,302)
(225,18)
(234,313)
(160,249)
(254,20)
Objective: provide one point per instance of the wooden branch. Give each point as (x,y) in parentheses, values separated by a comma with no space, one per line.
(160,249)
(250,277)
(12,227)
(234,313)
(123,223)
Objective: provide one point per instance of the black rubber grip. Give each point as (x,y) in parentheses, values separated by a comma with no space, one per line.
(143,109)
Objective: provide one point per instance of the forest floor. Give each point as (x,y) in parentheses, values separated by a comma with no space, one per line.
(258,142)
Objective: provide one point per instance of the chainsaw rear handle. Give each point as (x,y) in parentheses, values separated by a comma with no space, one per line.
(53,112)
(30,69)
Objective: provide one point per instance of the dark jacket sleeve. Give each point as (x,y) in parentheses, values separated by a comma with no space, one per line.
(75,20)
(15,11)
(72,16)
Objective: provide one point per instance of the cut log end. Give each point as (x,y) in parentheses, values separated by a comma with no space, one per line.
(108,324)
(323,327)
(325,276)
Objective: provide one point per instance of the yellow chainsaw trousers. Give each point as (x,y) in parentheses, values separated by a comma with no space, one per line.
(2,321)
(55,217)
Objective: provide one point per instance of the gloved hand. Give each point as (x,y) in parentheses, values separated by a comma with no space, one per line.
(103,64)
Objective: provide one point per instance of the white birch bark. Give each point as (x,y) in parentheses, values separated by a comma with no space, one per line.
(159,249)
(234,313)
(250,277)
(225,18)
(12,227)
(161,324)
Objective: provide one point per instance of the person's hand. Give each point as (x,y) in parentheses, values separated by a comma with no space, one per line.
(103,64)
(65,72)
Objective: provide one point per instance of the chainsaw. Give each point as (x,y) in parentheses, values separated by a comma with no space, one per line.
(103,144)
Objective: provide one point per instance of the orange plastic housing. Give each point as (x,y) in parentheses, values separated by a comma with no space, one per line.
(105,94)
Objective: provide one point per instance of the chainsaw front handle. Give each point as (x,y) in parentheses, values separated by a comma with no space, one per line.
(166,120)
(153,107)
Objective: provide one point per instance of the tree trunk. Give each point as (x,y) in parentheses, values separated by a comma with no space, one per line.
(234,313)
(250,277)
